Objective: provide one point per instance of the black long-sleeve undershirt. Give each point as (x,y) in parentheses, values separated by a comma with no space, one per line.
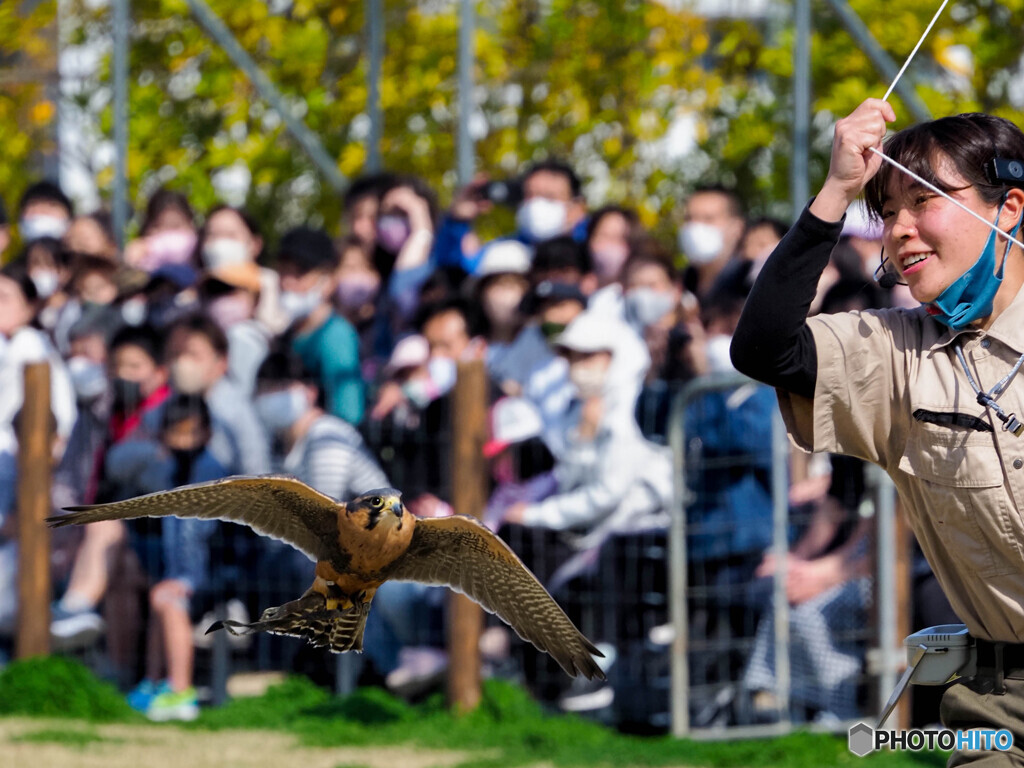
(773,342)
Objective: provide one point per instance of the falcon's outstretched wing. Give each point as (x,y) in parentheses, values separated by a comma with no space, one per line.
(460,553)
(273,505)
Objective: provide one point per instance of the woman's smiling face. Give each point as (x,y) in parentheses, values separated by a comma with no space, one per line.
(930,240)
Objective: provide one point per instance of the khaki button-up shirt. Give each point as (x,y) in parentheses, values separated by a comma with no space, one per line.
(961,484)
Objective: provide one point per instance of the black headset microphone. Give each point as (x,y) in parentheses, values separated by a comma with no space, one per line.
(888,280)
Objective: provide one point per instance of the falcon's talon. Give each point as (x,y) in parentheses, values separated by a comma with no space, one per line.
(357,546)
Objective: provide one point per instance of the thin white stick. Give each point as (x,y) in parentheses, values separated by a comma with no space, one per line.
(914,52)
(938,191)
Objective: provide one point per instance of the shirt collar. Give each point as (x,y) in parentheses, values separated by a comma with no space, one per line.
(1008,328)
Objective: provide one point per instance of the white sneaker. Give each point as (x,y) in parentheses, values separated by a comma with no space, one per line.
(74,629)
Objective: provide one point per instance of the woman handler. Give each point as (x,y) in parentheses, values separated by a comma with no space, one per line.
(900,388)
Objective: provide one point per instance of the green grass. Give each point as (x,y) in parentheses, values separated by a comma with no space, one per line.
(59,687)
(508,729)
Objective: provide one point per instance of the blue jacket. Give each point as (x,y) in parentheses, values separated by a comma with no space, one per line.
(728,461)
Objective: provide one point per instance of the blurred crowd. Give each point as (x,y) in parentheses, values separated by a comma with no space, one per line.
(198,351)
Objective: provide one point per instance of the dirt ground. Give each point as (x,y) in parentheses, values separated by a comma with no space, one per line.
(132,746)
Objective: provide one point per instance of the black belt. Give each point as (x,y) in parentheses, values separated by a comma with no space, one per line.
(1003,659)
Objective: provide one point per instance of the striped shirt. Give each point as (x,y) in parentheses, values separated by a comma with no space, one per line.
(332,458)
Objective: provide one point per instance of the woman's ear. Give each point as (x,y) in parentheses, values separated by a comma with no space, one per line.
(1013,209)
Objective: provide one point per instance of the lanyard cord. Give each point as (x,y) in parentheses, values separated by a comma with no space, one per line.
(988,399)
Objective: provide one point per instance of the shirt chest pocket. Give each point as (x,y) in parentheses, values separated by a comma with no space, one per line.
(955,485)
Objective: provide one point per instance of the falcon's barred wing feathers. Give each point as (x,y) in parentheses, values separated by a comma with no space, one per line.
(460,553)
(278,506)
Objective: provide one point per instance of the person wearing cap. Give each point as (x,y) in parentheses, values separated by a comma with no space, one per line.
(229,294)
(416,403)
(170,294)
(499,291)
(326,341)
(406,384)
(451,330)
(520,462)
(601,455)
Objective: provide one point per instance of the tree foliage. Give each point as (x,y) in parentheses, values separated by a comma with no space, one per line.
(600,82)
(970,61)
(597,81)
(27,106)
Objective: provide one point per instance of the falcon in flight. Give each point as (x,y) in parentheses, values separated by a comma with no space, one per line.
(357,546)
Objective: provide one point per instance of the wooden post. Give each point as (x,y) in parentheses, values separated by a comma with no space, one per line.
(35,447)
(469,495)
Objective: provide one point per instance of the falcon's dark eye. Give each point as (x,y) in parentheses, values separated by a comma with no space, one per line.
(376,502)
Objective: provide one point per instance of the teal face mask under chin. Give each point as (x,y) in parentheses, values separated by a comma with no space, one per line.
(970,296)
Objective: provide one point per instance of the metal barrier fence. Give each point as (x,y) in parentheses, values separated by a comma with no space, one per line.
(742,657)
(677,612)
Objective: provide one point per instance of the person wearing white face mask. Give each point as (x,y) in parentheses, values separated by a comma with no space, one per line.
(197,353)
(321,450)
(326,341)
(48,266)
(663,313)
(450,332)
(713,224)
(231,239)
(25,345)
(43,211)
(499,291)
(87,367)
(550,203)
